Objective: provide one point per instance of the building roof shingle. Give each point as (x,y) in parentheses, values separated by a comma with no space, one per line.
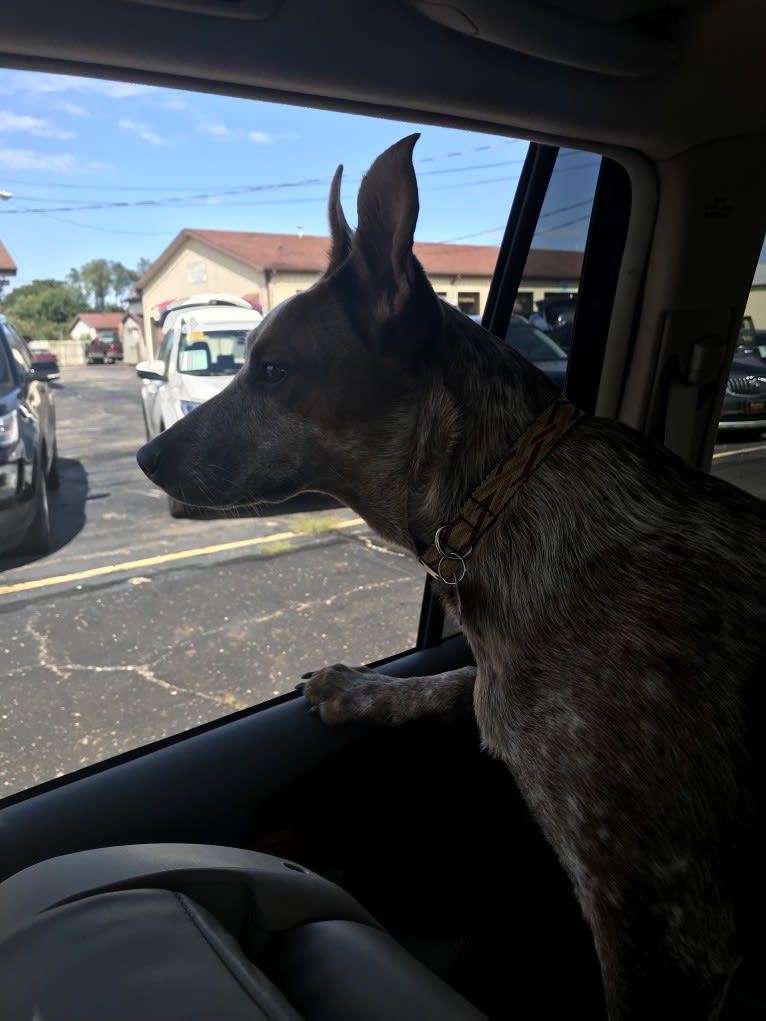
(309,253)
(7,265)
(99,320)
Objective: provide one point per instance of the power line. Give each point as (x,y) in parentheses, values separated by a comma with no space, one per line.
(543,216)
(243,187)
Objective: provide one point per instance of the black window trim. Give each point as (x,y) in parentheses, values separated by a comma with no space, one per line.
(602,260)
(522,223)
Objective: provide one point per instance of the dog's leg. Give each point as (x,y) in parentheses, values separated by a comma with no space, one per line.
(345,695)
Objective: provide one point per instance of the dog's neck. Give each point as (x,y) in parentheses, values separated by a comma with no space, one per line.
(485,399)
(475,398)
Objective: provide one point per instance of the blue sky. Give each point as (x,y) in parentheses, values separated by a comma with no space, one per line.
(155,161)
(194,160)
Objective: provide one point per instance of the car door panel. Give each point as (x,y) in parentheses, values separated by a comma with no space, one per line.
(164,788)
(406,819)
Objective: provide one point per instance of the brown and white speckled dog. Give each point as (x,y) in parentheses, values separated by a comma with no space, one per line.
(616,608)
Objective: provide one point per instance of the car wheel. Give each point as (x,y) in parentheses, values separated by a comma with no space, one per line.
(177,509)
(38,538)
(54,479)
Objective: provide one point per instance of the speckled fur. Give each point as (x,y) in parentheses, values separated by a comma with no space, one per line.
(616,610)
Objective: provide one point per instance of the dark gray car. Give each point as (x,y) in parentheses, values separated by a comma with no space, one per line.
(537,347)
(27,447)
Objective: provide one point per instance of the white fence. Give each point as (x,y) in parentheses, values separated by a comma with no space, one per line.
(68,352)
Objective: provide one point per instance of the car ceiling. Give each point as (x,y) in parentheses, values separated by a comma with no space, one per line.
(605,72)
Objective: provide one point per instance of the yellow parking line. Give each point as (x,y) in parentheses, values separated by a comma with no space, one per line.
(744,450)
(165,558)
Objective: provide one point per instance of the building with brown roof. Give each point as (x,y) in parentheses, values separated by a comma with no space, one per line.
(7,265)
(89,325)
(271,267)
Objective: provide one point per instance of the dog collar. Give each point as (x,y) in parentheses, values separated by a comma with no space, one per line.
(445,558)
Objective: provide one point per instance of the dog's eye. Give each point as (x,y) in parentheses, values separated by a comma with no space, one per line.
(272,374)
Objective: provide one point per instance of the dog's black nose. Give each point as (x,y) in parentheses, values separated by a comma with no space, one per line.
(148,458)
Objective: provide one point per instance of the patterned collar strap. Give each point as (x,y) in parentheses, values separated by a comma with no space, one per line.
(453,543)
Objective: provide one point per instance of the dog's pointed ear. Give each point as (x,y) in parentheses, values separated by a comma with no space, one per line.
(340,232)
(388,212)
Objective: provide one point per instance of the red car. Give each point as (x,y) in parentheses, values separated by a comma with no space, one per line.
(47,361)
(104,350)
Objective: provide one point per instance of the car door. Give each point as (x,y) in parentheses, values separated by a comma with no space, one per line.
(35,396)
(153,391)
(171,395)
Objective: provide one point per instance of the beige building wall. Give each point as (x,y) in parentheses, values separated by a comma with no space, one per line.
(133,342)
(284,285)
(82,331)
(195,269)
(756,307)
(461,290)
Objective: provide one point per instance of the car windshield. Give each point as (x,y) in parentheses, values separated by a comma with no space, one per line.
(212,352)
(532,343)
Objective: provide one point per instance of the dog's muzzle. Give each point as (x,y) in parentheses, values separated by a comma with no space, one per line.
(149,457)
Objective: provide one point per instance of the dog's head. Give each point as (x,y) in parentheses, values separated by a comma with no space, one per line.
(332,375)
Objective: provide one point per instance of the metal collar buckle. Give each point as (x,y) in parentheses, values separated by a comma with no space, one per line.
(452,563)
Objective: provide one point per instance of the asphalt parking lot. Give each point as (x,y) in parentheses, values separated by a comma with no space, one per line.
(138,626)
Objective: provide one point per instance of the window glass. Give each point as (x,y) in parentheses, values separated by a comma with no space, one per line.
(213,352)
(740,452)
(19,350)
(555,261)
(5,367)
(150,617)
(469,302)
(163,352)
(544,308)
(531,342)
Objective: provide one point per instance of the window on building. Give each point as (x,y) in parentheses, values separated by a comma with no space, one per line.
(468,302)
(524,303)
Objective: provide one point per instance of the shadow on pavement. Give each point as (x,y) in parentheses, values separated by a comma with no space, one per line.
(67,510)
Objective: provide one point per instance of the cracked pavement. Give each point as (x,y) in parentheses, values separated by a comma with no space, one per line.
(95,666)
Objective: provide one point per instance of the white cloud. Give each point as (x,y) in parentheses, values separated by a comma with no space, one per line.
(75,110)
(219,130)
(28,159)
(260,137)
(19,123)
(142,130)
(27,81)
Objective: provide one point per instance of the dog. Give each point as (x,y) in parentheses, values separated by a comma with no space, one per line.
(614,599)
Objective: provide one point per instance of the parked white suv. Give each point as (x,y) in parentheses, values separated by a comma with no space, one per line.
(203,347)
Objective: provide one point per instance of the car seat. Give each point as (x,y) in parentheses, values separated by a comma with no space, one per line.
(189,932)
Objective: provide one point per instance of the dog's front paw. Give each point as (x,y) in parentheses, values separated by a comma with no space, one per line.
(345,694)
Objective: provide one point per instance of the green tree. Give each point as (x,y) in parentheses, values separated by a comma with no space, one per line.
(95,280)
(43,309)
(102,280)
(123,280)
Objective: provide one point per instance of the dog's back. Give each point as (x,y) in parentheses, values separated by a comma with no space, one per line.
(621,665)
